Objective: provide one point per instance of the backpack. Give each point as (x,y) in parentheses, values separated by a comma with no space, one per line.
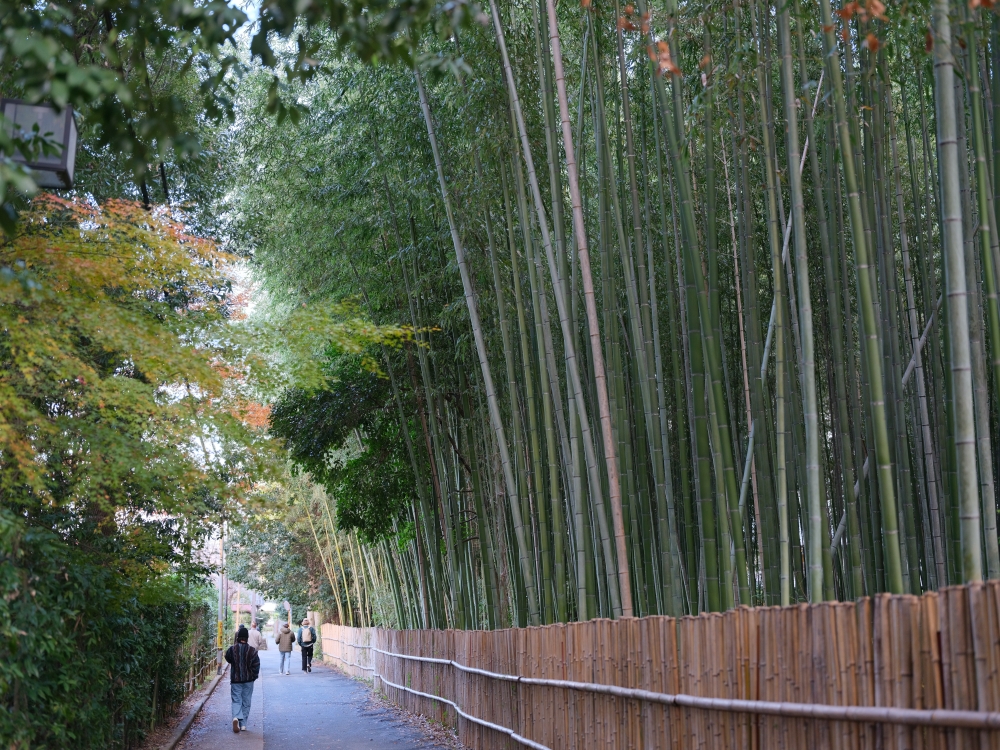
(307,636)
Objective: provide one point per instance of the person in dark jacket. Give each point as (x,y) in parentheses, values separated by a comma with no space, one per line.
(307,639)
(245,670)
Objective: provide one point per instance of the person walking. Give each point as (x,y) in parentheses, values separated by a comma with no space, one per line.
(257,639)
(306,637)
(245,670)
(285,641)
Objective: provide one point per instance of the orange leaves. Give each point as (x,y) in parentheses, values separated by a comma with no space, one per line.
(876,9)
(660,55)
(625,22)
(227,371)
(847,12)
(118,243)
(987,4)
(253,414)
(866,10)
(239,302)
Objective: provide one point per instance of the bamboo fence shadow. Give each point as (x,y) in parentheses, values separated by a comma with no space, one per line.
(937,655)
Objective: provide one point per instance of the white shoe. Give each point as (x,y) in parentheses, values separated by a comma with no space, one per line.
(236,726)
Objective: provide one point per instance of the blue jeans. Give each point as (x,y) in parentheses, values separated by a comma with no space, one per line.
(241,692)
(285,665)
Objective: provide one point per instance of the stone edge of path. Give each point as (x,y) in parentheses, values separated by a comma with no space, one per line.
(185,724)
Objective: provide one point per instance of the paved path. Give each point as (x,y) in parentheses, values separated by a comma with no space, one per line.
(321,710)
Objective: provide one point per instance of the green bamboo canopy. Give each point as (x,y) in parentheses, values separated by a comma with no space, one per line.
(706,300)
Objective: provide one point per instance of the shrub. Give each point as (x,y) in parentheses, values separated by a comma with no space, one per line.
(84,647)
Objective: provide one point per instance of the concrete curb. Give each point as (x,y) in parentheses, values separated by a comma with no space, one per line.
(186,722)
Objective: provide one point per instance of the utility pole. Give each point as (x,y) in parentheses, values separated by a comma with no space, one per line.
(225,584)
(222,598)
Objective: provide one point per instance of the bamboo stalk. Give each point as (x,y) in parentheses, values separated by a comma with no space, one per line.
(580,233)
(815,536)
(329,573)
(987,243)
(526,571)
(872,347)
(930,467)
(963,418)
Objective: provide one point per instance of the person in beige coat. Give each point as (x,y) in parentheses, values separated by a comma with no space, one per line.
(285,641)
(257,639)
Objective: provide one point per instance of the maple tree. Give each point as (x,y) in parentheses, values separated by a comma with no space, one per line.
(113,351)
(133,420)
(123,393)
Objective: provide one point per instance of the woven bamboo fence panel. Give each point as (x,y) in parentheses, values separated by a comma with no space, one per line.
(937,651)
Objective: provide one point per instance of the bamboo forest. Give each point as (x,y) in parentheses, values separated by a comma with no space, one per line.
(471,316)
(704,301)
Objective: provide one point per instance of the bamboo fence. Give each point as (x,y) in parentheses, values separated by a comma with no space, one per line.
(919,670)
(204,665)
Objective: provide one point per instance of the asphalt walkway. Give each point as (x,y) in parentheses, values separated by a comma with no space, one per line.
(320,710)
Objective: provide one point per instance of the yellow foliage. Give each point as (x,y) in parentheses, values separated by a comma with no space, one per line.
(112,355)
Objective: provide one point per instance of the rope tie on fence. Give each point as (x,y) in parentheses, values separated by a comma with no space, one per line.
(860,714)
